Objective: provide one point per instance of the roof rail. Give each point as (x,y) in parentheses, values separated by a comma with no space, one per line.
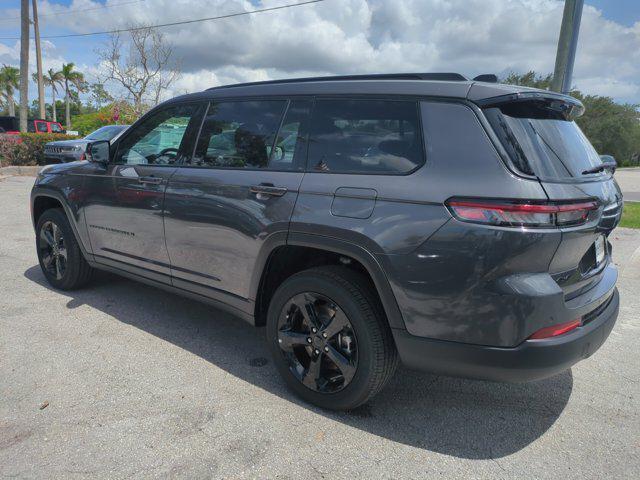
(442,76)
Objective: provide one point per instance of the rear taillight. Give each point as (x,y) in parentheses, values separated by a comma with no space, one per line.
(555,330)
(522,214)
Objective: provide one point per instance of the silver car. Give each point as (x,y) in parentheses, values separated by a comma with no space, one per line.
(63,151)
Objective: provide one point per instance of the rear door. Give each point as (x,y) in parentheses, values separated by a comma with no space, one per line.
(543,141)
(236,194)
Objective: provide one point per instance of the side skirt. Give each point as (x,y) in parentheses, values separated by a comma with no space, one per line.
(162,281)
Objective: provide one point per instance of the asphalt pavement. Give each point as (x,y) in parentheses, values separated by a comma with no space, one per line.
(629,181)
(120,380)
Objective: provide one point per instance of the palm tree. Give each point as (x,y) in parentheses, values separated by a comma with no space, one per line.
(70,77)
(51,79)
(9,81)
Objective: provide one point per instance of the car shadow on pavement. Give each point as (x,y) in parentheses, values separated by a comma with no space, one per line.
(457,417)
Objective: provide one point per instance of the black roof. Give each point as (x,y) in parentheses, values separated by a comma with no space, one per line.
(449,85)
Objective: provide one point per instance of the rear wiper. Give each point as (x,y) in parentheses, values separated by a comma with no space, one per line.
(600,168)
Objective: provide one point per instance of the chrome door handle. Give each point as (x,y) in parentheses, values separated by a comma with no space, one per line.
(150,180)
(268,190)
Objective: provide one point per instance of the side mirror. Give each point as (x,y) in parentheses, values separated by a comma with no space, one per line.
(608,159)
(98,151)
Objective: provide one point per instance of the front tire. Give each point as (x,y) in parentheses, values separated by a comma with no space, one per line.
(59,254)
(329,338)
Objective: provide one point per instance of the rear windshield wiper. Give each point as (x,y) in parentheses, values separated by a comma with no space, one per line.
(600,168)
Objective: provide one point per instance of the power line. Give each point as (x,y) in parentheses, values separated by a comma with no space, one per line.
(69,12)
(162,25)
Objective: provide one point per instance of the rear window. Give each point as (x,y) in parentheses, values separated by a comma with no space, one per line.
(365,136)
(542,144)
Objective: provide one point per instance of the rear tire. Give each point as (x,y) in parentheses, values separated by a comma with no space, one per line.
(338,371)
(59,254)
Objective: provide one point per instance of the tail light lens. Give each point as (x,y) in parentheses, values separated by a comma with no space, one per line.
(555,330)
(522,214)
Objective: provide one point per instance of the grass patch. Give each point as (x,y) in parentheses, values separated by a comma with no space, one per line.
(631,215)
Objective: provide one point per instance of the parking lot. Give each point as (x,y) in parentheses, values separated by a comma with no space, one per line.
(122,380)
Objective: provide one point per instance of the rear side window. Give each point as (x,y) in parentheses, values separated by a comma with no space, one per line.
(365,136)
(239,134)
(543,144)
(42,127)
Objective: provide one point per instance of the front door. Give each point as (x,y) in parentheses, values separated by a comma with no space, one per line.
(236,194)
(125,199)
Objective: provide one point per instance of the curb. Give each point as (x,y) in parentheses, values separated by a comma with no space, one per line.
(29,171)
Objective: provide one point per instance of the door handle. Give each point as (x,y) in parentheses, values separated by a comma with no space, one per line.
(266,189)
(150,180)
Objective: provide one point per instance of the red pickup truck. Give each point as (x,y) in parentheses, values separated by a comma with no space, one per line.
(11,125)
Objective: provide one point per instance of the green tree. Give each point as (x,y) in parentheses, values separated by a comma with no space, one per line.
(612,128)
(52,79)
(99,95)
(71,78)
(9,82)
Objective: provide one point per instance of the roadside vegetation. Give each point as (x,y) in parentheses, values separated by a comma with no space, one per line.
(631,215)
(26,149)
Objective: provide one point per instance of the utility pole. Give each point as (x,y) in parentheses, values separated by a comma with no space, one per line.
(567,43)
(36,31)
(24,64)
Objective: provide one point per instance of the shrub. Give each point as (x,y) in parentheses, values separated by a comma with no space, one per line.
(26,148)
(88,122)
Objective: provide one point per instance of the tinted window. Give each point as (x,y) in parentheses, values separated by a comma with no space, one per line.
(239,134)
(157,140)
(42,127)
(550,148)
(56,128)
(365,136)
(291,144)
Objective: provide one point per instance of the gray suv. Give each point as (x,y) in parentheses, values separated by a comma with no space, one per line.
(459,227)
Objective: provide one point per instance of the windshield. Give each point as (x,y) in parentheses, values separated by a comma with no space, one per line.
(105,133)
(549,148)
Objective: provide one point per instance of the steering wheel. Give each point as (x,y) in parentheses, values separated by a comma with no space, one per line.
(165,156)
(168,150)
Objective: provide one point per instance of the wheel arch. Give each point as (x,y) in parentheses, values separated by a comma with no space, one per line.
(41,201)
(325,250)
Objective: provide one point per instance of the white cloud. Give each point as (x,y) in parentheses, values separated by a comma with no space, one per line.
(355,36)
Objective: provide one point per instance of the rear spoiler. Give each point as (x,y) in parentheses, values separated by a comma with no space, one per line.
(538,104)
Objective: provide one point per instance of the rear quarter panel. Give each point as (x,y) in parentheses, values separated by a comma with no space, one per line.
(409,209)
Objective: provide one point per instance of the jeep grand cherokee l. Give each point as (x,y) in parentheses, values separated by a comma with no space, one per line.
(457,226)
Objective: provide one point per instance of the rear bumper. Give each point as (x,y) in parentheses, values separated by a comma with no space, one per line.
(531,360)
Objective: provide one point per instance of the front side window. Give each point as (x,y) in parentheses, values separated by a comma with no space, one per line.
(365,136)
(157,140)
(239,134)
(56,128)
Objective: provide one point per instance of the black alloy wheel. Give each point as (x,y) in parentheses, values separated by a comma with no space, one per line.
(52,249)
(318,342)
(59,253)
(329,337)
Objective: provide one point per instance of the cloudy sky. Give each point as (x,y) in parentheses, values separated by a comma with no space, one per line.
(350,36)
